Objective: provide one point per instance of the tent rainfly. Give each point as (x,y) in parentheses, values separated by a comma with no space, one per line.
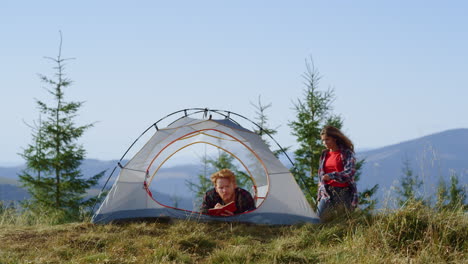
(146,187)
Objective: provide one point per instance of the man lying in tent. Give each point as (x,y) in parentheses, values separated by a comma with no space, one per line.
(226,199)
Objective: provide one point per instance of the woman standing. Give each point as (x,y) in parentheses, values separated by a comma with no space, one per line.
(337,193)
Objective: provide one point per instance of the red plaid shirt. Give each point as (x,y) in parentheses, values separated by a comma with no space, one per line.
(345,176)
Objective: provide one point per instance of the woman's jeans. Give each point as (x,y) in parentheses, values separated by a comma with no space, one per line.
(338,204)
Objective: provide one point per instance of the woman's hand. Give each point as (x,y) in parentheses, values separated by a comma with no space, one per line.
(218,205)
(326,177)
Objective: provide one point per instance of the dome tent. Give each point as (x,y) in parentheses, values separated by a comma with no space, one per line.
(145,187)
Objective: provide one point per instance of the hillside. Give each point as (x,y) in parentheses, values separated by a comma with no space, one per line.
(414,235)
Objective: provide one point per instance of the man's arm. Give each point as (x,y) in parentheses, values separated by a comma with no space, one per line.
(207,203)
(247,203)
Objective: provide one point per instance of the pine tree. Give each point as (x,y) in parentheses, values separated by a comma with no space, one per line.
(312,114)
(52,175)
(226,161)
(451,197)
(366,200)
(211,165)
(203,183)
(34,154)
(410,184)
(442,194)
(262,120)
(456,194)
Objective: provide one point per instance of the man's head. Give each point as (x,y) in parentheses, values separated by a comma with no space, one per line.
(225,183)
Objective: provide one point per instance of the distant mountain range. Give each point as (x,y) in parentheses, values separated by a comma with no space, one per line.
(431,157)
(10,187)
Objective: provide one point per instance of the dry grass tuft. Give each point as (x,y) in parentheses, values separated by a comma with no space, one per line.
(415,234)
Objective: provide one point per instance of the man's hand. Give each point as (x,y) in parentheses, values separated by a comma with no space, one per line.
(226,212)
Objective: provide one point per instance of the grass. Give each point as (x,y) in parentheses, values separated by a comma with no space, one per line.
(414,234)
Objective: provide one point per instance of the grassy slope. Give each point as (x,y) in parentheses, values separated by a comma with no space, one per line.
(416,235)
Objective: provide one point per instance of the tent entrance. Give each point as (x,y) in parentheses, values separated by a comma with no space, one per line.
(179,174)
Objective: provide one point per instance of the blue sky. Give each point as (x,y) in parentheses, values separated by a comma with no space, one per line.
(398,68)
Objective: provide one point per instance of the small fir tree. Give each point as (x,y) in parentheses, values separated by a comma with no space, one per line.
(203,183)
(456,194)
(367,201)
(52,175)
(451,197)
(442,194)
(212,165)
(312,114)
(410,184)
(262,120)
